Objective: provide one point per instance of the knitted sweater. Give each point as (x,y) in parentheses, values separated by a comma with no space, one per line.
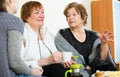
(11,29)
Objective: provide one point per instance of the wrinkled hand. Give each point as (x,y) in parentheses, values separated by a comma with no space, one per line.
(106,37)
(55,57)
(68,63)
(37,71)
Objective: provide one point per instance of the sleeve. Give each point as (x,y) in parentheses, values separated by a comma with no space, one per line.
(107,64)
(14,53)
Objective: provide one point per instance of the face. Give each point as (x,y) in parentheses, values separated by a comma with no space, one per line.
(36,19)
(73,18)
(16,5)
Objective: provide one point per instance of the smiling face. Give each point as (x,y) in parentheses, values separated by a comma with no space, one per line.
(73,18)
(36,18)
(32,12)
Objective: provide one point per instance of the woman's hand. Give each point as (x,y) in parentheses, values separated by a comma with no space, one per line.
(56,57)
(37,71)
(88,68)
(68,63)
(106,37)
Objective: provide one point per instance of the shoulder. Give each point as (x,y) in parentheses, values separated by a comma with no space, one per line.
(17,23)
(10,17)
(91,35)
(61,32)
(16,20)
(12,22)
(92,32)
(64,31)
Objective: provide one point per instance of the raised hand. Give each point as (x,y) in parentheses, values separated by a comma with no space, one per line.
(106,37)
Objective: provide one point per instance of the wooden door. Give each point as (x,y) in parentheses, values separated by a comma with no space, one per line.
(102,18)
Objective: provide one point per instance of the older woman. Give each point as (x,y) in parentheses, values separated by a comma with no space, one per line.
(91,47)
(39,48)
(11,30)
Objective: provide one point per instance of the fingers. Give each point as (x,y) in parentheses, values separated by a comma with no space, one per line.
(37,72)
(57,57)
(41,71)
(108,33)
(68,63)
(40,68)
(107,36)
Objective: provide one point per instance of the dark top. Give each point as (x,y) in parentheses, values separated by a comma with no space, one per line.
(84,48)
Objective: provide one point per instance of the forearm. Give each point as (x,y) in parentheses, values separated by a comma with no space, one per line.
(44,62)
(14,53)
(54,58)
(104,51)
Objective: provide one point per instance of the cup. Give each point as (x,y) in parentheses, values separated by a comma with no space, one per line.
(66,56)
